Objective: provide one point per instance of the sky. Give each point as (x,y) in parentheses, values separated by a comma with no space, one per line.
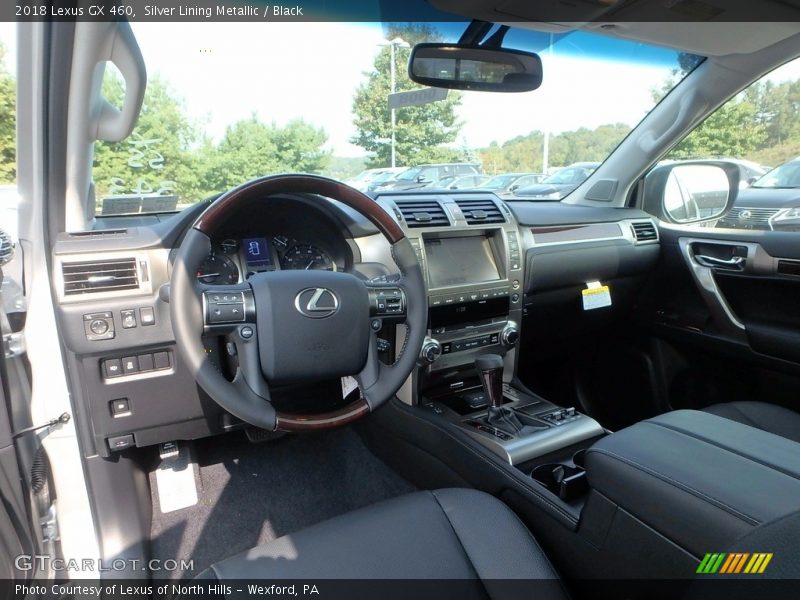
(281,71)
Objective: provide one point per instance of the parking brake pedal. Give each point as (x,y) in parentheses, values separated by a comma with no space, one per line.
(176,477)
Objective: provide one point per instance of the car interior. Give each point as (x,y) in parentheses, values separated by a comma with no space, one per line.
(294,380)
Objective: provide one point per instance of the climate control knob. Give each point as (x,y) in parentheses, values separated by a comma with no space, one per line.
(431,350)
(510,335)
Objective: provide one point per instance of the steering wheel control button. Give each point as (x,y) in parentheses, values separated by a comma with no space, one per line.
(98,326)
(130,365)
(128,318)
(120,442)
(387,302)
(224,307)
(246,332)
(120,407)
(147,316)
(112,367)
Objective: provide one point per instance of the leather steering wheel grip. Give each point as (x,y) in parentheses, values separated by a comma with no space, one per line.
(237,397)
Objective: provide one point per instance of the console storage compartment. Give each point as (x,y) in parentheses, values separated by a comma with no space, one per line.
(695,479)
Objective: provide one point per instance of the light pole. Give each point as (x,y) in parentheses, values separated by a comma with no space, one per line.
(393,44)
(546,145)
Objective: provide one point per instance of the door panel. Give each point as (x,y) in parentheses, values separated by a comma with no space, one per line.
(725,302)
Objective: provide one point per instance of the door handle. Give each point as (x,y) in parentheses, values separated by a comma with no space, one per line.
(735,262)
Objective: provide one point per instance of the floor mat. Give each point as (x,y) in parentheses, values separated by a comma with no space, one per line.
(253,493)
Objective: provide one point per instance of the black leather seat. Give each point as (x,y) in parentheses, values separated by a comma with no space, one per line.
(769,417)
(445,534)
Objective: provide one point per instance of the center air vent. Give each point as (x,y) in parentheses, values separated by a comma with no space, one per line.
(478,212)
(423,213)
(100,276)
(645,231)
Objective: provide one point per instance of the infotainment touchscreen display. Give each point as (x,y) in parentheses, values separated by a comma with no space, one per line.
(460,261)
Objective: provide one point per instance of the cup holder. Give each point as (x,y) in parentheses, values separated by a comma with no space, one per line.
(579,458)
(564,481)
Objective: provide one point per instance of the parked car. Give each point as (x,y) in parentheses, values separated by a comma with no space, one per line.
(385,177)
(428,175)
(362,181)
(559,184)
(507,183)
(459,183)
(770,203)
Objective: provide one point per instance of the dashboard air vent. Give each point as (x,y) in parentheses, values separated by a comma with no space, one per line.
(6,248)
(99,233)
(100,276)
(645,231)
(477,212)
(423,213)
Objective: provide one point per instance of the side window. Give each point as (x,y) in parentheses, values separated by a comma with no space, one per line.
(758,130)
(9,197)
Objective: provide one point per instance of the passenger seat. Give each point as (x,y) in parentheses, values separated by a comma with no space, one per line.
(769,417)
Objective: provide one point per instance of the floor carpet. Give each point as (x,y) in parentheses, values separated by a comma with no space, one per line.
(253,493)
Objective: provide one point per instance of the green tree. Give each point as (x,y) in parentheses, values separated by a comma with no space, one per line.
(8,123)
(161,154)
(251,149)
(422,133)
(732,131)
(524,153)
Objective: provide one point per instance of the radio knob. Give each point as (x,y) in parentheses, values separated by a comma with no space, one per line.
(431,350)
(510,335)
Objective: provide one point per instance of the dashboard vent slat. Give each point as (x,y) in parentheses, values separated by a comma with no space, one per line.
(100,276)
(645,231)
(6,248)
(478,212)
(423,213)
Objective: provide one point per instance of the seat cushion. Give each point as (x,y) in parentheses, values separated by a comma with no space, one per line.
(769,417)
(443,534)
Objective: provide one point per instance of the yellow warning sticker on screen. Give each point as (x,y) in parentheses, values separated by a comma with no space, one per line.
(596,296)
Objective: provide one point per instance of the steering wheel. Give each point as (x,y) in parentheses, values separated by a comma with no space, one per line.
(290,326)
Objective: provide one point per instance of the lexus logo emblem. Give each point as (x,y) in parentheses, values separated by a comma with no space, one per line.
(745,214)
(316,303)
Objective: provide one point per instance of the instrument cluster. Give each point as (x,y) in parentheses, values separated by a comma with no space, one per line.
(235,259)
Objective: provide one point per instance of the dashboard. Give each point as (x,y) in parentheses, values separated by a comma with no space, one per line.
(486,262)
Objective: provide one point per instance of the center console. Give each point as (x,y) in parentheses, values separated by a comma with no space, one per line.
(471,251)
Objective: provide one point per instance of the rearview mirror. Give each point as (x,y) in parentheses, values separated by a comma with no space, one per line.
(461,67)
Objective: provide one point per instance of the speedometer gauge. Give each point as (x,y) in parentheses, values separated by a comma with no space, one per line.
(308,257)
(218,269)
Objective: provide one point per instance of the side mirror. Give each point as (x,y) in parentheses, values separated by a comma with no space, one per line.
(421,179)
(463,67)
(513,188)
(691,192)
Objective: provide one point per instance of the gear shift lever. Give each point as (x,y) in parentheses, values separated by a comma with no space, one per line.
(490,370)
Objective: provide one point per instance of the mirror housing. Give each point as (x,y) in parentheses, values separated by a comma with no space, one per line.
(475,68)
(697,191)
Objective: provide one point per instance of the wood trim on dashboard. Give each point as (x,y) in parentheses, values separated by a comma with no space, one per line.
(309,184)
(336,418)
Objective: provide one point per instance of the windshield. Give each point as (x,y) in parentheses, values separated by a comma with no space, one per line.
(785,176)
(281,97)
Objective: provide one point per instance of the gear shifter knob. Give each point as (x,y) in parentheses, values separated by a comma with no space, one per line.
(490,370)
